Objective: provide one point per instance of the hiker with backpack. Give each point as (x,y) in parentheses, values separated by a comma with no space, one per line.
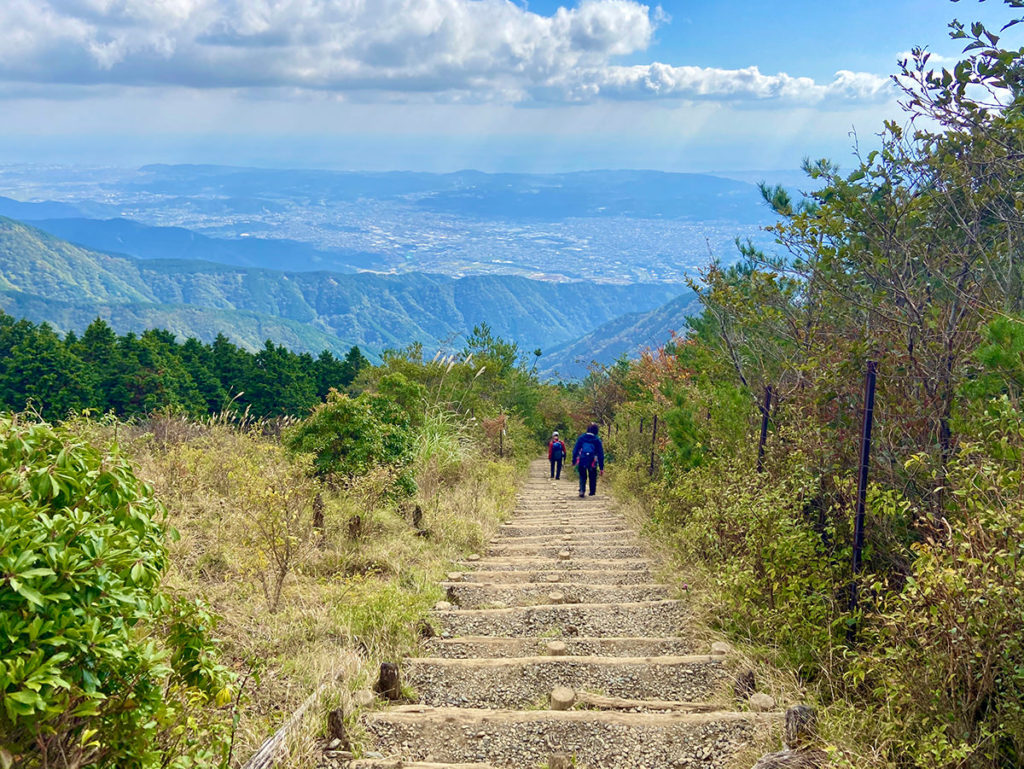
(556,454)
(588,456)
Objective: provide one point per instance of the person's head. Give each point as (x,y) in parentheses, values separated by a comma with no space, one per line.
(554,435)
(593,428)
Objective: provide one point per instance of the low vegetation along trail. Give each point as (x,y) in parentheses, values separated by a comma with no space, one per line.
(559,648)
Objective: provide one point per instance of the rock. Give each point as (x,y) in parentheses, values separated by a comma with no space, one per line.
(556,648)
(373,754)
(567,539)
(801,726)
(761,703)
(455,576)
(565,555)
(559,761)
(720,648)
(556,597)
(442,606)
(567,531)
(389,683)
(334,744)
(745,684)
(363,698)
(562,698)
(552,578)
(474,557)
(793,759)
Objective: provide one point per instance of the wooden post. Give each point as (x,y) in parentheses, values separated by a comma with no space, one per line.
(765,410)
(654,439)
(862,480)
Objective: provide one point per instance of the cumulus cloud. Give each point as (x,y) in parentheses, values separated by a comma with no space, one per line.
(445,50)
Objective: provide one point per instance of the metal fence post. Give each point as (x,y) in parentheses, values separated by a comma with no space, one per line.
(862,480)
(654,438)
(765,410)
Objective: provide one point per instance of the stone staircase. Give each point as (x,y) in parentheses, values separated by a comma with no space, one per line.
(558,648)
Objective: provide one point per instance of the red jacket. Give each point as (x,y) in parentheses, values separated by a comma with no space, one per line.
(551,448)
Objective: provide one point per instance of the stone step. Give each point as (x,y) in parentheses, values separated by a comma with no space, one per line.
(540,563)
(477,595)
(519,529)
(552,550)
(526,682)
(578,533)
(556,576)
(462,647)
(647,618)
(517,739)
(604,521)
(398,763)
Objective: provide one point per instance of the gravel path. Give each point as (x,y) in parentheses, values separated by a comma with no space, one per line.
(562,597)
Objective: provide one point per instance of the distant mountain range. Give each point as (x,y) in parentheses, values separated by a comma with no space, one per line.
(626,335)
(46,278)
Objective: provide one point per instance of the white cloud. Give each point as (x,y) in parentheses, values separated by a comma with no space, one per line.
(441,50)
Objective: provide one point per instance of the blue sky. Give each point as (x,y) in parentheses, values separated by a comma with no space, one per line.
(447,84)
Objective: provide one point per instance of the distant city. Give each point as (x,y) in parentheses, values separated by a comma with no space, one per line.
(613,227)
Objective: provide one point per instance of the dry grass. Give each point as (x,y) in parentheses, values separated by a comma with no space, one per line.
(352,595)
(694,581)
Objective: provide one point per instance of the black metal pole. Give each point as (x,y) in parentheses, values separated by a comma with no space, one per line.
(765,410)
(654,438)
(862,478)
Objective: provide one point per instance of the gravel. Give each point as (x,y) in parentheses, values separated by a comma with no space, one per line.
(524,685)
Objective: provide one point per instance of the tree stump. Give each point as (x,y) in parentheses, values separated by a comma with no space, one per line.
(318,514)
(389,684)
(336,729)
(744,685)
(425,630)
(801,726)
(355,527)
(417,517)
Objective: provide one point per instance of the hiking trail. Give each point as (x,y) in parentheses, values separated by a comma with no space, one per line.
(559,641)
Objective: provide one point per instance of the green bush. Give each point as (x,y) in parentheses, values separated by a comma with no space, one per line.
(348,437)
(98,666)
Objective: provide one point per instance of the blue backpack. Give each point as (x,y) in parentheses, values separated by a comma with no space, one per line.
(558,450)
(588,454)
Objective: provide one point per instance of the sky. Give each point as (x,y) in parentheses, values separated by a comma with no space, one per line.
(439,85)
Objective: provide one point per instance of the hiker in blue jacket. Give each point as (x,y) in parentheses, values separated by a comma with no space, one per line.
(588,456)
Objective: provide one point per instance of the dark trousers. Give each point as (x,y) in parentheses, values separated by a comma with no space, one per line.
(588,472)
(556,468)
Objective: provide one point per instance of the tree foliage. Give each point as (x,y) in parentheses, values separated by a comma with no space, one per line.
(98,666)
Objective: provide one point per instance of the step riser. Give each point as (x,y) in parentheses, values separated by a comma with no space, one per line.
(566,621)
(522,745)
(471,596)
(628,577)
(552,551)
(517,686)
(548,530)
(457,648)
(535,563)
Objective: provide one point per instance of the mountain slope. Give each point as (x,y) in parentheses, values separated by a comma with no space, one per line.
(124,236)
(627,334)
(49,279)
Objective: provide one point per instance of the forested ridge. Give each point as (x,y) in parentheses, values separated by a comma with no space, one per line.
(135,375)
